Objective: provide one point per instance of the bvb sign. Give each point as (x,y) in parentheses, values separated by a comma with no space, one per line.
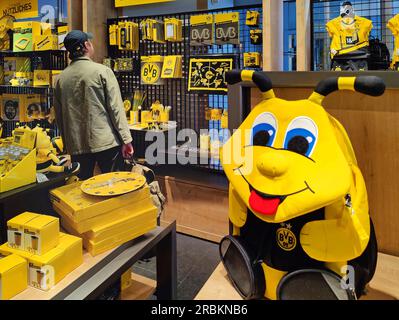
(151,70)
(286,239)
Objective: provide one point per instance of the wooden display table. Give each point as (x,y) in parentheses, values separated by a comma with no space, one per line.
(384,286)
(96,274)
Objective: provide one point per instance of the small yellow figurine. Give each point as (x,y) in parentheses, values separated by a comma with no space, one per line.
(46,158)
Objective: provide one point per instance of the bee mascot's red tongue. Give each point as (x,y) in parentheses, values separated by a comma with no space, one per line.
(266,206)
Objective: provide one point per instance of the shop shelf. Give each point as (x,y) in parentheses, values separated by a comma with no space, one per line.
(25,90)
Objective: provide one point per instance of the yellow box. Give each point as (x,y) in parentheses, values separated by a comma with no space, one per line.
(47,270)
(113,35)
(41,78)
(13,276)
(173,29)
(96,248)
(252,59)
(23,172)
(80,206)
(24,34)
(62,32)
(73,251)
(128,36)
(6,250)
(46,28)
(126,216)
(45,42)
(41,234)
(22,79)
(15,230)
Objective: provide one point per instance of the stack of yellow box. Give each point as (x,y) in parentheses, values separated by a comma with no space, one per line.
(50,254)
(104,222)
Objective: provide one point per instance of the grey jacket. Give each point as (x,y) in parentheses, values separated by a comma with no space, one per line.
(89,108)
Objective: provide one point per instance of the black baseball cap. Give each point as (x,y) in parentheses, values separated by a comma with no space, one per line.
(75,39)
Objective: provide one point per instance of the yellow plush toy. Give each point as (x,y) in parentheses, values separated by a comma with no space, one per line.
(297,198)
(46,158)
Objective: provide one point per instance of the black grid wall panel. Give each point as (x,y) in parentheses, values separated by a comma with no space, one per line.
(188,108)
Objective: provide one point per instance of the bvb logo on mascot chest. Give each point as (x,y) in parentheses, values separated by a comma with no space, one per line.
(150,73)
(286,239)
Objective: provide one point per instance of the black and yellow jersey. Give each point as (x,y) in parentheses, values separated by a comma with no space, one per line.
(348,34)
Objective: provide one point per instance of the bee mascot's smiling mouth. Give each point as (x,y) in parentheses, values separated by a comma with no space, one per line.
(267,204)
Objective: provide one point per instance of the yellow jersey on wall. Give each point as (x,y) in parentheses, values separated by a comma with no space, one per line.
(393,25)
(348,34)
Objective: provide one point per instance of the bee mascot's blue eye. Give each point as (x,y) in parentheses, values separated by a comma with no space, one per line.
(301,136)
(264,130)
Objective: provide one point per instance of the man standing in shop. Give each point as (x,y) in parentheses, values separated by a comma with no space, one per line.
(89,110)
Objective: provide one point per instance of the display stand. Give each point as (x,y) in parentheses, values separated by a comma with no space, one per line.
(384,286)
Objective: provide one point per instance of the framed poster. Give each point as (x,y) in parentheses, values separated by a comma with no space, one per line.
(208,73)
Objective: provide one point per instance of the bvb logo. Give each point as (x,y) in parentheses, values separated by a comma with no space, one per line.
(150,73)
(286,239)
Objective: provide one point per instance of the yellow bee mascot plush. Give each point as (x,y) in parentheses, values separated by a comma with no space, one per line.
(300,224)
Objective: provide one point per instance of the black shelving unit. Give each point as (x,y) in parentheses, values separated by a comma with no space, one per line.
(45,60)
(188,108)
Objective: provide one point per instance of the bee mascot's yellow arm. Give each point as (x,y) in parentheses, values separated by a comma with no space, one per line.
(345,233)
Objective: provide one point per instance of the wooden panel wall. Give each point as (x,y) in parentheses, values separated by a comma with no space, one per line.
(303,31)
(91,16)
(75,21)
(95,15)
(199,210)
(273,29)
(373,127)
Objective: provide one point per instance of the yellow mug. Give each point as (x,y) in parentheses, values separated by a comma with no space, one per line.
(134,117)
(146,116)
(164,116)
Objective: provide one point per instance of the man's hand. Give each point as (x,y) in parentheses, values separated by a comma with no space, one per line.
(127,151)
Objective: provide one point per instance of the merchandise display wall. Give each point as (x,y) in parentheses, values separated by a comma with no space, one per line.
(189,106)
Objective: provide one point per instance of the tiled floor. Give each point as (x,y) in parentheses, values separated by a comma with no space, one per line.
(196,260)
